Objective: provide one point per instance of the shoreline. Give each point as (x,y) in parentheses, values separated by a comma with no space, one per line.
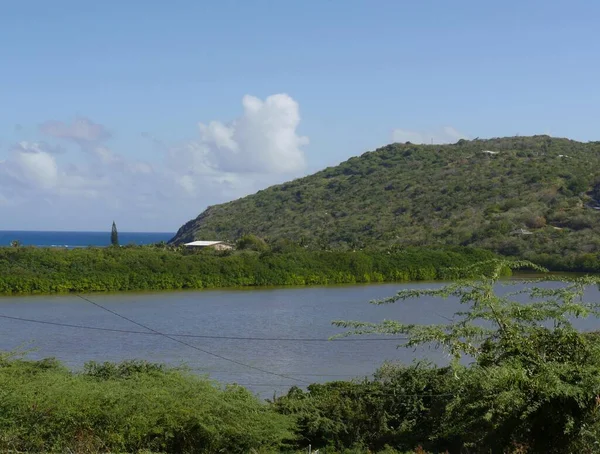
(239,288)
(520,276)
(26,271)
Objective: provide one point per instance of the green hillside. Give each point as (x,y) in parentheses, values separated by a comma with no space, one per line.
(531,197)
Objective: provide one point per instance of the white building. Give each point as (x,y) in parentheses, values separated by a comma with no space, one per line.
(218,245)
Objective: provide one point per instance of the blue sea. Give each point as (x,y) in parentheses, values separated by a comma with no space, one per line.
(79,239)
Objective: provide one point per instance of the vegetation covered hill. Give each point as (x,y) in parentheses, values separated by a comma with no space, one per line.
(531,197)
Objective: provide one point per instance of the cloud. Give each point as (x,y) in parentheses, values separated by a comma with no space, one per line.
(192,169)
(226,160)
(155,141)
(115,161)
(40,169)
(82,130)
(106,156)
(447,134)
(37,147)
(259,147)
(262,140)
(30,166)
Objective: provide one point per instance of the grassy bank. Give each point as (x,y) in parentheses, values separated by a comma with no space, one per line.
(27,270)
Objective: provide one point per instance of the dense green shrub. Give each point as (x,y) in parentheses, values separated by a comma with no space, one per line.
(398,408)
(131,407)
(252,243)
(48,270)
(532,385)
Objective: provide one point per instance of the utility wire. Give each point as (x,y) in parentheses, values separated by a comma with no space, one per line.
(207,370)
(295,374)
(216,355)
(202,336)
(258,369)
(347,393)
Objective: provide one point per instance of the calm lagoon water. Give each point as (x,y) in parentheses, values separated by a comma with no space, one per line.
(266,313)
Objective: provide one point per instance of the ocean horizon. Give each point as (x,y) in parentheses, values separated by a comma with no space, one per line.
(79,239)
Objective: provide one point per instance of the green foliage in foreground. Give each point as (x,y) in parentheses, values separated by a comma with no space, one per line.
(533,385)
(137,407)
(130,408)
(49,270)
(430,195)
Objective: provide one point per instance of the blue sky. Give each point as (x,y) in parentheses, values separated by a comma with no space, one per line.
(147,112)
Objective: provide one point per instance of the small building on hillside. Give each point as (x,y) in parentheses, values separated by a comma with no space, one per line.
(218,245)
(521,232)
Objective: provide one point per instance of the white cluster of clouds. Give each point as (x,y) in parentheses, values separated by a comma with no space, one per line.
(30,164)
(75,179)
(447,134)
(262,141)
(226,160)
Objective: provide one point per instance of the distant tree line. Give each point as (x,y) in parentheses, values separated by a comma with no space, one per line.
(26,270)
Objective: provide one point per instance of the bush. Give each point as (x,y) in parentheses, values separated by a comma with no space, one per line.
(398,408)
(48,270)
(252,243)
(128,408)
(536,222)
(532,386)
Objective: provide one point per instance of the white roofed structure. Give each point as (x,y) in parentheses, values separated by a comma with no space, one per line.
(202,243)
(216,244)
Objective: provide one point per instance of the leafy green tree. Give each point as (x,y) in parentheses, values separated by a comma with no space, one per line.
(252,243)
(534,385)
(114,235)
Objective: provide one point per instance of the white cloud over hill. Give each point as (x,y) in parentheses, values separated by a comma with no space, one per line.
(88,183)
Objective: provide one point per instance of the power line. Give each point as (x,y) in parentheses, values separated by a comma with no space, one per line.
(69,325)
(202,336)
(184,367)
(216,355)
(349,392)
(295,374)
